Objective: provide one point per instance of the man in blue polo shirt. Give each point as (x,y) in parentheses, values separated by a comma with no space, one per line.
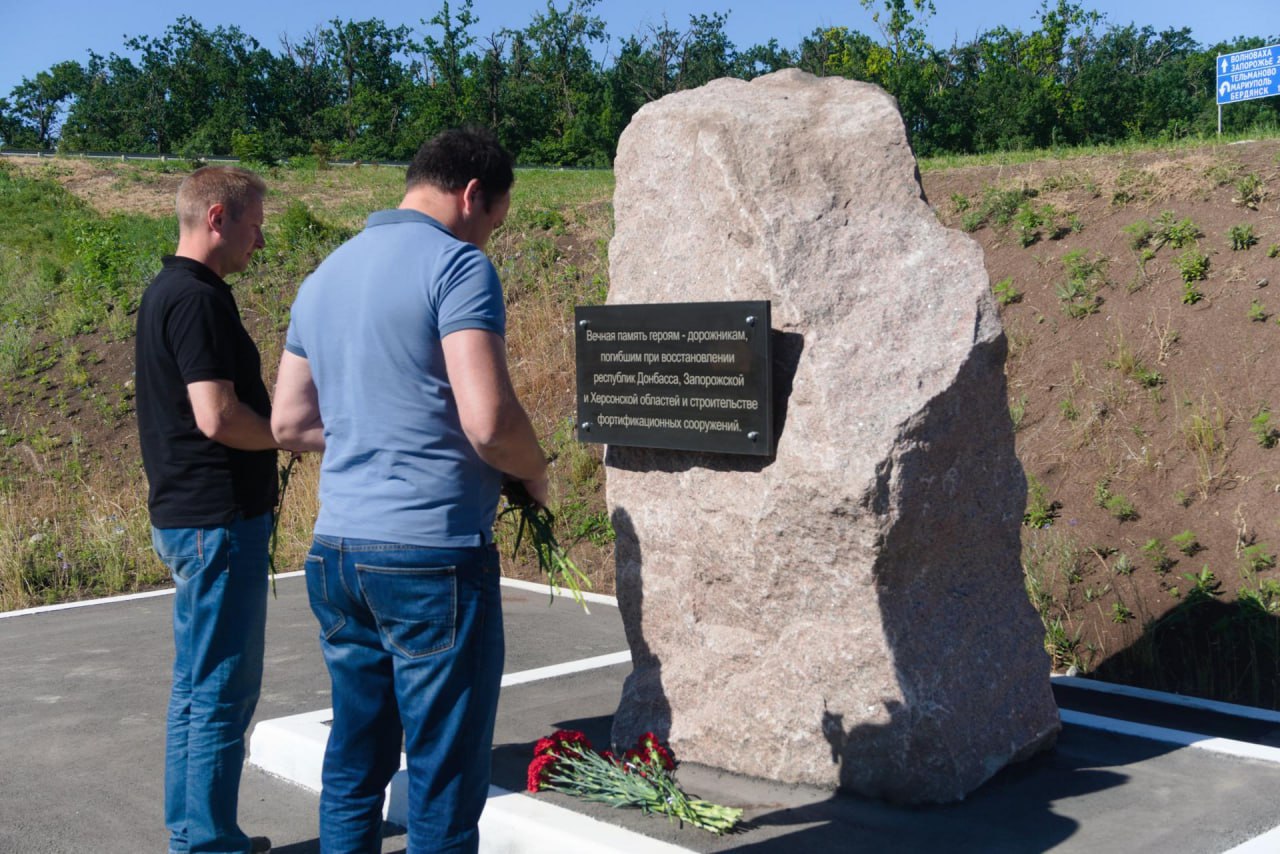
(395,366)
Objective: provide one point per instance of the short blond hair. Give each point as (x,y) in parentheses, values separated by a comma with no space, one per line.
(230,186)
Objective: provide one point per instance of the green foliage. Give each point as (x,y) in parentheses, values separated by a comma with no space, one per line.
(1119,506)
(1018,411)
(1204,584)
(1241,237)
(301,230)
(1249,191)
(1120,613)
(1193,266)
(1005,292)
(1141,234)
(1258,558)
(1154,549)
(1186,543)
(1069,409)
(1258,312)
(1040,511)
(1123,565)
(1273,251)
(1001,207)
(1085,277)
(1260,426)
(363,89)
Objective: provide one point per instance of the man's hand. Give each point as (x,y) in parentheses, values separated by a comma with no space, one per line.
(526,492)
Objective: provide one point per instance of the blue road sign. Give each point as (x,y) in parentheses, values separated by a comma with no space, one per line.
(1249,74)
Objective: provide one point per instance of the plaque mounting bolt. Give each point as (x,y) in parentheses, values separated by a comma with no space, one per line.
(584,323)
(753,435)
(586,426)
(751,320)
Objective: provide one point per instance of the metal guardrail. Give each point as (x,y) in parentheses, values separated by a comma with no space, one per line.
(120,155)
(124,155)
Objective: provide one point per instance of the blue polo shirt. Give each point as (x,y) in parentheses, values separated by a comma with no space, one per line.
(369,321)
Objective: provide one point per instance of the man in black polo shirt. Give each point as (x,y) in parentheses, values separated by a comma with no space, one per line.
(205,431)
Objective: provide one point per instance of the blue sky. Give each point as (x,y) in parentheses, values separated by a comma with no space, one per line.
(34,36)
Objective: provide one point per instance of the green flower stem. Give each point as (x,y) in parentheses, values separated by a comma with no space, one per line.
(553,560)
(593,778)
(275,522)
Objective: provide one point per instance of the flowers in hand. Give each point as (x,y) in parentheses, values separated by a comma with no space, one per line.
(566,762)
(552,559)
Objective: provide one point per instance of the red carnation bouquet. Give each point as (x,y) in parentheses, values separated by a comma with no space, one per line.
(642,777)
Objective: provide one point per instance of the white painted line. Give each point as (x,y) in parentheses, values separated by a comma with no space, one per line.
(1224,746)
(106,600)
(545,589)
(551,671)
(1267,843)
(168,591)
(1172,699)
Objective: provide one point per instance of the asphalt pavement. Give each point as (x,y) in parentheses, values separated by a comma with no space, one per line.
(82,702)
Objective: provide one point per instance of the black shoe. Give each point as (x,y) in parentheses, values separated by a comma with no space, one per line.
(259,845)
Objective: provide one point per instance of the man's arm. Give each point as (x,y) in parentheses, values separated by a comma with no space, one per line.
(222,417)
(295,411)
(491,415)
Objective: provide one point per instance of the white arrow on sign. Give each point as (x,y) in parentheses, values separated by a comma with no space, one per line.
(1224,88)
(1224,66)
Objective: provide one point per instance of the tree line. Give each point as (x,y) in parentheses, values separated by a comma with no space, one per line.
(560,90)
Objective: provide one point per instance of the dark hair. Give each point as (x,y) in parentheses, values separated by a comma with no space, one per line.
(453,157)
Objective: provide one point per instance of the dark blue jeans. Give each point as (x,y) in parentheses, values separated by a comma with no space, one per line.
(413,640)
(219,622)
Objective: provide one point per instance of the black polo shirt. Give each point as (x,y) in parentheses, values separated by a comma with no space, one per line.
(189,330)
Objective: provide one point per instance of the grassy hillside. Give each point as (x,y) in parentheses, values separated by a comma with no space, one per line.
(1136,291)
(82,239)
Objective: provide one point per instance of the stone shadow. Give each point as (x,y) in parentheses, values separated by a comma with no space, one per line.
(655,714)
(1205,647)
(962,633)
(1013,813)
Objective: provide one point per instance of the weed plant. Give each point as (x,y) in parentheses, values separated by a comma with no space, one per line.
(1186,543)
(1250,192)
(1040,511)
(1241,237)
(1005,292)
(1258,312)
(1154,549)
(1260,426)
(1085,277)
(1193,266)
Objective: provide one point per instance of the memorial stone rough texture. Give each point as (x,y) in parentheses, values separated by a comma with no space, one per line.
(850,611)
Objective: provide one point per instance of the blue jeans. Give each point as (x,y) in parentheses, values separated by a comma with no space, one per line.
(413,640)
(219,621)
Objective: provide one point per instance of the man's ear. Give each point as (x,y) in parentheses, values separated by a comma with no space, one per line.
(215,217)
(472,197)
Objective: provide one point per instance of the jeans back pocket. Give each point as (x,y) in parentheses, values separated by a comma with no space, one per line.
(415,606)
(329,615)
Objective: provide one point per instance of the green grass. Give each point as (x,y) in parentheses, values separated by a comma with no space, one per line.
(1034,155)
(73,519)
